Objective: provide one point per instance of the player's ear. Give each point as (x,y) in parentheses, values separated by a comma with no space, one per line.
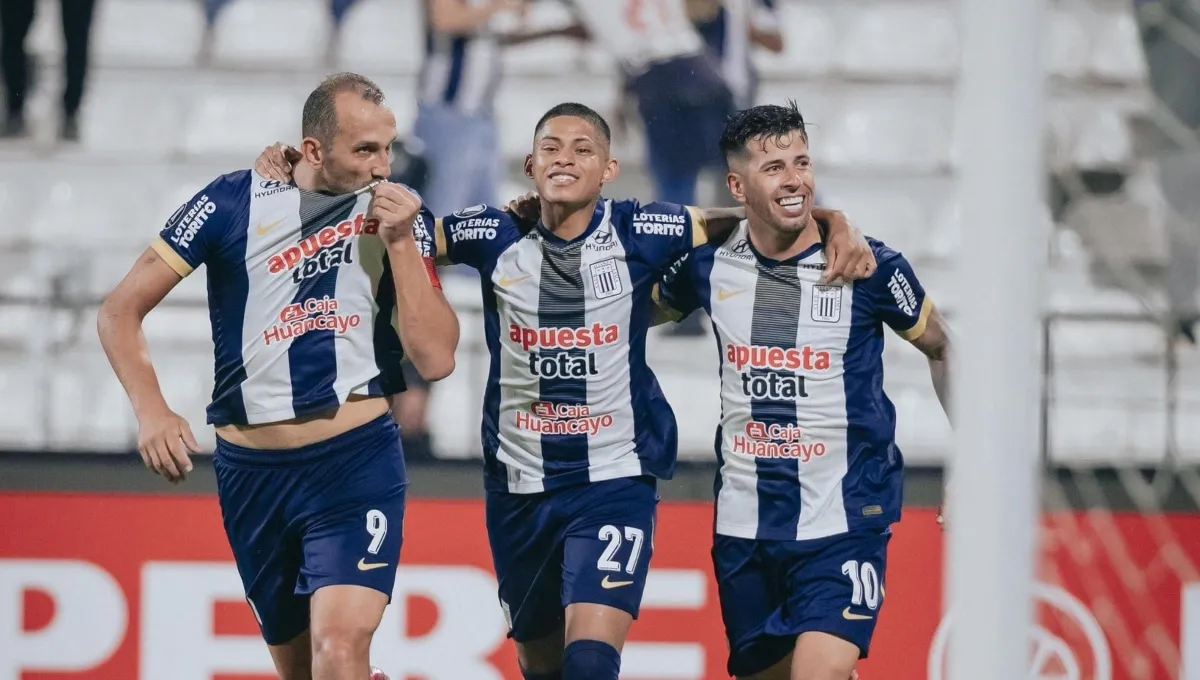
(612,170)
(734,181)
(529,165)
(312,151)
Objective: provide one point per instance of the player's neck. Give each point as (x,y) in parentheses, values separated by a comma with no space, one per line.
(567,221)
(779,246)
(306,178)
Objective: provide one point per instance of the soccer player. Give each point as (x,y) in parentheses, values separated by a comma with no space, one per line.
(576,431)
(316,290)
(810,476)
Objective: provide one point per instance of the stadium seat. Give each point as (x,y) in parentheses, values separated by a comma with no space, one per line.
(20,426)
(1066,43)
(903,130)
(147,33)
(899,41)
(882,212)
(810,35)
(133,116)
(272,34)
(1116,53)
(382,36)
(46,35)
(91,410)
(240,121)
(1102,139)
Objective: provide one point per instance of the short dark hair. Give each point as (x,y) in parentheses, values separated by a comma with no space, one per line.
(320,109)
(759,123)
(578,111)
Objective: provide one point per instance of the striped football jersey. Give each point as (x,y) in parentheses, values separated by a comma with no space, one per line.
(569,398)
(806,443)
(300,296)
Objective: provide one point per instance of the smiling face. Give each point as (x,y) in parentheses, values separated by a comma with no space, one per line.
(570,163)
(773,178)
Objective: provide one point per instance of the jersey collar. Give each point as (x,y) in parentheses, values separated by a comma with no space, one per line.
(598,216)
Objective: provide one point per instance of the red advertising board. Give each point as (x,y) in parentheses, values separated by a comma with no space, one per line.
(121,587)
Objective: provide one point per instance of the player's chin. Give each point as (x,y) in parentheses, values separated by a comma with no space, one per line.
(571,194)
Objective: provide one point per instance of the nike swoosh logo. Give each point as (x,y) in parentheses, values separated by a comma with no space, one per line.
(609,585)
(505,282)
(723,294)
(846,614)
(263,230)
(363,565)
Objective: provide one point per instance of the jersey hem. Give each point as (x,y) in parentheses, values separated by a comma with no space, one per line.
(282,415)
(758,534)
(574,478)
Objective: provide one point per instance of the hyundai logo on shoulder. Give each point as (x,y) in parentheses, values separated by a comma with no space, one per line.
(270,184)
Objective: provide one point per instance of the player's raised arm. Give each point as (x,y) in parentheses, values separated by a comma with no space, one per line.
(164,437)
(427,326)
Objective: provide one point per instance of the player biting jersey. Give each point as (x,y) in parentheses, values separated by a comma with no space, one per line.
(810,476)
(316,291)
(576,431)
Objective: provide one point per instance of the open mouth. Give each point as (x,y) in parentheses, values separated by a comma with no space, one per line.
(793,205)
(562,179)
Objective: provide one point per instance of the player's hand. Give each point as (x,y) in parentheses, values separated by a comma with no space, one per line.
(850,256)
(396,208)
(276,162)
(164,440)
(527,208)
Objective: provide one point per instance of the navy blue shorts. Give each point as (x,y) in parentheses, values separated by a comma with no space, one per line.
(584,543)
(331,513)
(772,591)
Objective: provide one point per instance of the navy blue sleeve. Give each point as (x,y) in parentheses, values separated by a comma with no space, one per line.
(202,226)
(677,292)
(661,233)
(474,236)
(896,296)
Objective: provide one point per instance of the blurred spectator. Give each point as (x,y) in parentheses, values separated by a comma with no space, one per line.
(681,96)
(1168,27)
(731,29)
(457,89)
(16,17)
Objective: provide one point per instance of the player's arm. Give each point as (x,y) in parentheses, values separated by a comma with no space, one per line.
(764,26)
(900,301)
(850,256)
(427,325)
(164,438)
(459,17)
(675,295)
(934,343)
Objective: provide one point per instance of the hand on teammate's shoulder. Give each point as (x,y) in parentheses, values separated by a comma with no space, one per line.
(526,209)
(276,162)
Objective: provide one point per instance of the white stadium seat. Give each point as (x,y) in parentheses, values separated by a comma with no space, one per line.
(809,39)
(1117,48)
(1067,45)
(891,131)
(240,121)
(153,33)
(384,36)
(263,34)
(899,40)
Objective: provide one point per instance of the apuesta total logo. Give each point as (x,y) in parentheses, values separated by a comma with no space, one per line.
(1051,657)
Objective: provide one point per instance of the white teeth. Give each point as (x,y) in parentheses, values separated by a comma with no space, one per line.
(792,201)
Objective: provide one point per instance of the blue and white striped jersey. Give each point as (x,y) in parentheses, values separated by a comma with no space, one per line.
(300,296)
(569,398)
(806,444)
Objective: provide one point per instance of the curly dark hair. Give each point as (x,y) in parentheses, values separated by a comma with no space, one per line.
(760,123)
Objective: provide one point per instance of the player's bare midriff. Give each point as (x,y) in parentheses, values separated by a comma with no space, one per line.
(292,434)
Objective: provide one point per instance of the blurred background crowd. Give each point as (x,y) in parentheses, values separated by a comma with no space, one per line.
(117,110)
